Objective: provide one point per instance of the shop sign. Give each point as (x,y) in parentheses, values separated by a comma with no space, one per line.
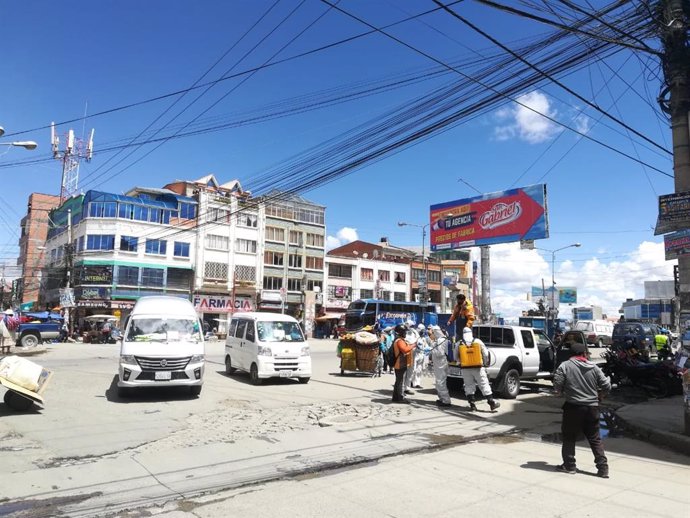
(336,303)
(93,293)
(674,213)
(221,304)
(67,297)
(677,244)
(96,274)
(100,304)
(121,304)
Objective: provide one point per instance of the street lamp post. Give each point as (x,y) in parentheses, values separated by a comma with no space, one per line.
(553,278)
(425,291)
(26,144)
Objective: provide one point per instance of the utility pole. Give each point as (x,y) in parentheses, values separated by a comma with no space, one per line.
(675,101)
(68,277)
(75,150)
(485,254)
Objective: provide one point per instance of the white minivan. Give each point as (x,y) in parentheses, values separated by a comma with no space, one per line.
(163,346)
(267,345)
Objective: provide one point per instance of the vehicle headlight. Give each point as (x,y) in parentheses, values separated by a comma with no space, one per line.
(127,358)
(265,351)
(304,351)
(197,358)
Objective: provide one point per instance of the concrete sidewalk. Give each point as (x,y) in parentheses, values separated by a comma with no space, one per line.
(659,421)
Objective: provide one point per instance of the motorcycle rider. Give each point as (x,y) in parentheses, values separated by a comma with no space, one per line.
(663,349)
(473,376)
(439,362)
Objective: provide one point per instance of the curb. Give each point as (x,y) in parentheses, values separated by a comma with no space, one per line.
(676,442)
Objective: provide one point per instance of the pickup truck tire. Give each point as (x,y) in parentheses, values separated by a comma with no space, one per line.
(17,401)
(509,386)
(29,340)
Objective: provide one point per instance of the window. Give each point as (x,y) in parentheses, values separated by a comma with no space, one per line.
(214,242)
(181,249)
(296,237)
(384,275)
(178,279)
(220,215)
(247,220)
(100,242)
(275,234)
(528,339)
(80,244)
(245,273)
(155,215)
(187,211)
(241,326)
(156,246)
(102,209)
(125,211)
(128,275)
(342,271)
(233,327)
(315,240)
(273,258)
(294,285)
(434,276)
(399,296)
(141,213)
(128,243)
(367,274)
(314,263)
(250,331)
(399,277)
(152,277)
(273,283)
(246,246)
(385,295)
(295,261)
(311,284)
(216,271)
(366,294)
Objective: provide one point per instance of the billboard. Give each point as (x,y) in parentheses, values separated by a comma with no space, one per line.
(677,244)
(567,295)
(674,213)
(497,217)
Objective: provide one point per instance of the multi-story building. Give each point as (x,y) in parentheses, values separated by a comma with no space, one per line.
(112,249)
(226,258)
(292,244)
(455,277)
(361,270)
(34,231)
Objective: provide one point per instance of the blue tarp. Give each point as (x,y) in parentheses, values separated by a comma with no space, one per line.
(43,315)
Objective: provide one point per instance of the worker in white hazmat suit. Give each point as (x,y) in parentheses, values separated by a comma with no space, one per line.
(439,362)
(474,374)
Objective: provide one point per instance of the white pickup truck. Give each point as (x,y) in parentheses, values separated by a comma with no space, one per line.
(517,353)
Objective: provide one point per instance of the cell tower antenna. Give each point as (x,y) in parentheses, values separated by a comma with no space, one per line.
(75,150)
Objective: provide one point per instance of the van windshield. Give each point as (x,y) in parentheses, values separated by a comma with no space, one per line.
(163,330)
(279,332)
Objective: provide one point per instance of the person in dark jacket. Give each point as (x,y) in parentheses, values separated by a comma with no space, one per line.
(403,361)
(583,384)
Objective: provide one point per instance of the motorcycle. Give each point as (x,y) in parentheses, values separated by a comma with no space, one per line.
(626,366)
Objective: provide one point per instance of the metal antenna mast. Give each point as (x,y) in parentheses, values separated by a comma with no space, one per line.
(75,150)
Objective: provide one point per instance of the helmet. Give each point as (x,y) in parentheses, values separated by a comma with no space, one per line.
(421,327)
(400,330)
(467,335)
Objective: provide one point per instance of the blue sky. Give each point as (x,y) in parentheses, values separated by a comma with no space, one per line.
(93,56)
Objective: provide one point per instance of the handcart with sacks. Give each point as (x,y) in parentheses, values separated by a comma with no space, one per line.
(359,352)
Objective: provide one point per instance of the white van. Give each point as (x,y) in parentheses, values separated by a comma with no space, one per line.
(598,332)
(267,345)
(163,346)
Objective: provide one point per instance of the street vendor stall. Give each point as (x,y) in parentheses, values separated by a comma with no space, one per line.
(359,352)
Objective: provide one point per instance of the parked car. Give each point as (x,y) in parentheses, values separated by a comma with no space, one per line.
(640,334)
(517,354)
(598,332)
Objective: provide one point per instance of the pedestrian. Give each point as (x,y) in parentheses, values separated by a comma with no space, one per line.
(387,343)
(474,369)
(5,336)
(462,315)
(439,363)
(403,360)
(583,384)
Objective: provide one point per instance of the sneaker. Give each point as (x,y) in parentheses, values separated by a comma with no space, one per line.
(565,469)
(603,473)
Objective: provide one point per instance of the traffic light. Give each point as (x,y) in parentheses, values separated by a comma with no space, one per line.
(676,280)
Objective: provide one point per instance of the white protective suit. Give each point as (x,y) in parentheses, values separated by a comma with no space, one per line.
(413,376)
(476,376)
(439,362)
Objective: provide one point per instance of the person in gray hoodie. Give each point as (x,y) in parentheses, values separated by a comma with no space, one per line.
(583,384)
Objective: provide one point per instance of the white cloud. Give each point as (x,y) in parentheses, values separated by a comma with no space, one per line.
(526,120)
(598,281)
(343,236)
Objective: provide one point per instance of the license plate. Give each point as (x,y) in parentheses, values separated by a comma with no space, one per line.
(285,374)
(454,371)
(163,375)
